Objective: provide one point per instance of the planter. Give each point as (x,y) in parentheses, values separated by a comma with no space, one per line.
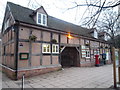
(54,41)
(32,38)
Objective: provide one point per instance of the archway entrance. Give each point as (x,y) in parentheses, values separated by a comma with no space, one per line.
(70,57)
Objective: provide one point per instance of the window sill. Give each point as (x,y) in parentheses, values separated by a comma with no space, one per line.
(55,52)
(46,53)
(87,57)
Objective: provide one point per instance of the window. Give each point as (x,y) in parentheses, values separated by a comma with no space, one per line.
(46,48)
(95,34)
(105,37)
(96,52)
(83,51)
(41,19)
(55,48)
(87,53)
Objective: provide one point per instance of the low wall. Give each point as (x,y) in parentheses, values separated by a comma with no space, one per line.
(108,62)
(29,72)
(87,64)
(10,73)
(34,72)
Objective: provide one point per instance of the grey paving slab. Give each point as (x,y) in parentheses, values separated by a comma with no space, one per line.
(74,77)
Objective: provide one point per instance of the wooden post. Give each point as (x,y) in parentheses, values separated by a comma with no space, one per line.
(119,66)
(114,66)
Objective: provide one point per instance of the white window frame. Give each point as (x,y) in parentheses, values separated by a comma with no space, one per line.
(95,34)
(43,45)
(87,50)
(84,50)
(55,45)
(42,19)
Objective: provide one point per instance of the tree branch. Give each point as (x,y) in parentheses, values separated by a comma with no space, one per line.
(94,5)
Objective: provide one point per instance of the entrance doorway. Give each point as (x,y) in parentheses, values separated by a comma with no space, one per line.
(70,57)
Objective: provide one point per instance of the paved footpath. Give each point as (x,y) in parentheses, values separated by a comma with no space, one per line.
(74,77)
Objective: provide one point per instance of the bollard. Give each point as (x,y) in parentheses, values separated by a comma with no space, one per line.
(23,81)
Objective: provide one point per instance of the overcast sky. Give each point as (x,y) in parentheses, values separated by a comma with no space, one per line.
(55,8)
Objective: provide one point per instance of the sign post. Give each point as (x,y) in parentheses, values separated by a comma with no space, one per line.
(119,66)
(114,66)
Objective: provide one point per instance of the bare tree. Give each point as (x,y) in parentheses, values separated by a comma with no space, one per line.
(101,16)
(109,24)
(94,10)
(33,4)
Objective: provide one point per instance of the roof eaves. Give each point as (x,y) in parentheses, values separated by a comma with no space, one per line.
(62,31)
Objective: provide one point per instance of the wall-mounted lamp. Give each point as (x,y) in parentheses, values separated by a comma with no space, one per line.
(69,36)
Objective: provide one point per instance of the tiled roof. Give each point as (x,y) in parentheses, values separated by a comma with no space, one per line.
(22,14)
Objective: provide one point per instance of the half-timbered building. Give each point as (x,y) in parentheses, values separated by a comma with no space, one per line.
(34,43)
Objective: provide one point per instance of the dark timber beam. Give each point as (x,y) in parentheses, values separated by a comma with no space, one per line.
(30,49)
(59,41)
(51,36)
(16,29)
(41,55)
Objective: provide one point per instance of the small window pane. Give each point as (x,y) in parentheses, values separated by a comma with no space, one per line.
(44,18)
(54,48)
(44,49)
(48,48)
(39,18)
(87,52)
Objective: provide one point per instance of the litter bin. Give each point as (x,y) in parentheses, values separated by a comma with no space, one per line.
(104,58)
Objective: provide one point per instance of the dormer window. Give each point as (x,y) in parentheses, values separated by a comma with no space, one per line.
(41,19)
(95,34)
